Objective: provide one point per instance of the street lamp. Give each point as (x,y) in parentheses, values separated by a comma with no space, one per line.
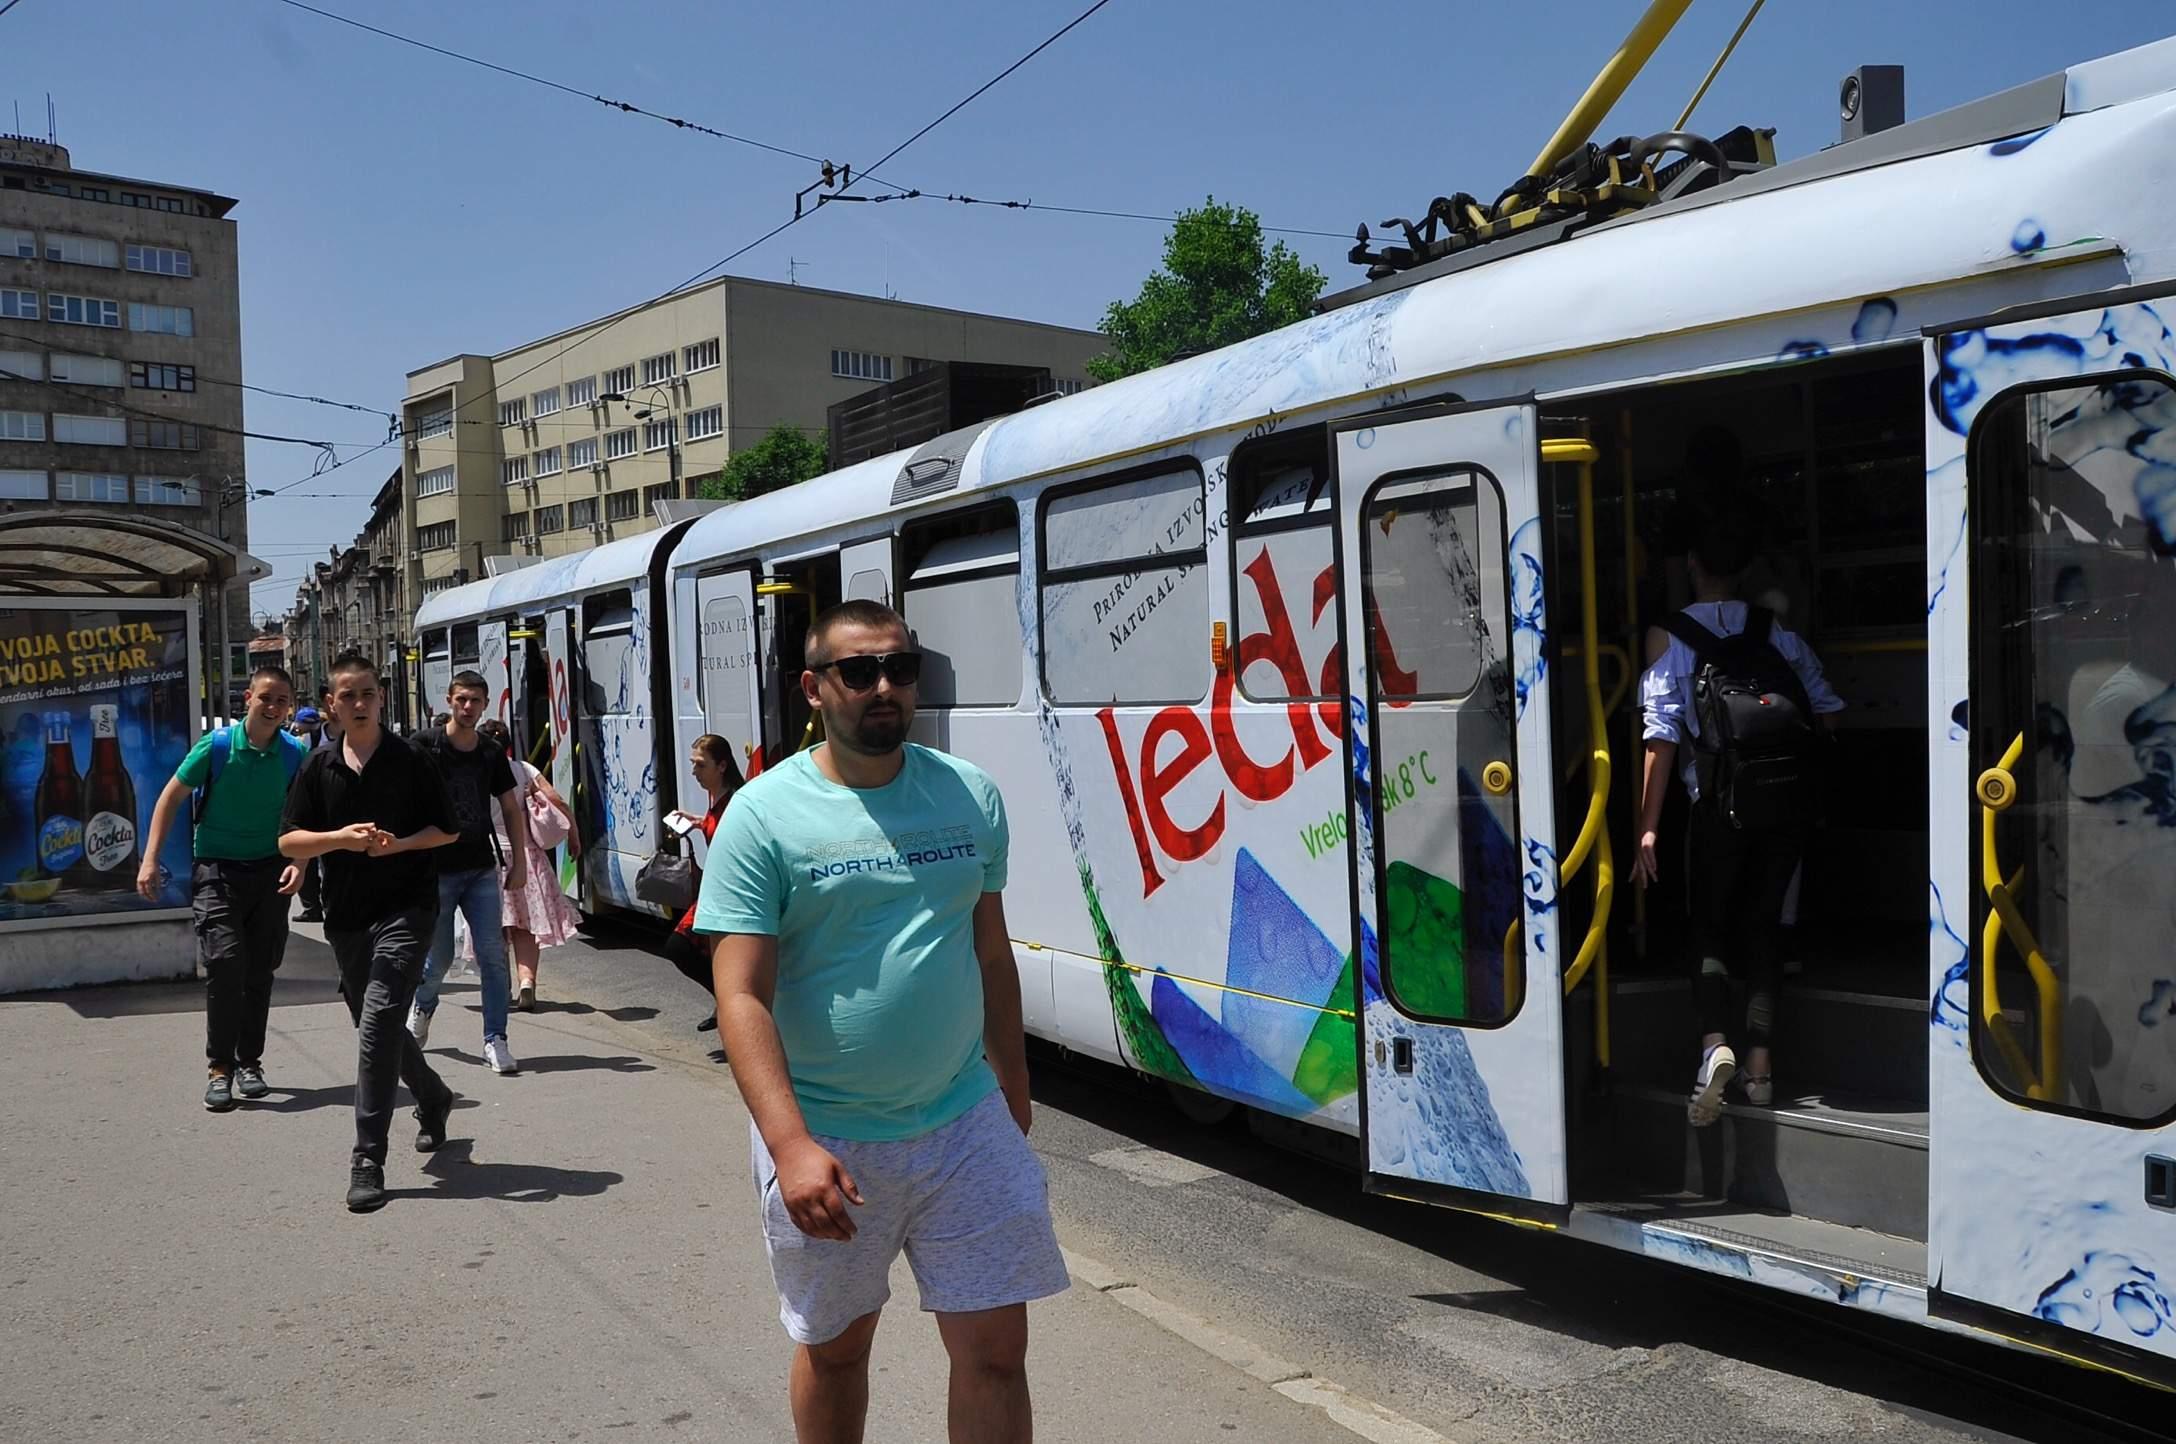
(672,429)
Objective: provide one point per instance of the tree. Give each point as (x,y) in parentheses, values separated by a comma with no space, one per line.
(785,455)
(1218,285)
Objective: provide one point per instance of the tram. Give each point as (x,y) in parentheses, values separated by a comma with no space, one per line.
(1306,667)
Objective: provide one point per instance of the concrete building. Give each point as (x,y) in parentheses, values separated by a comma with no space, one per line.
(121,350)
(527,453)
(358,597)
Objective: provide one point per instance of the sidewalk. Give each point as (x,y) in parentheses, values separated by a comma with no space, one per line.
(579,1261)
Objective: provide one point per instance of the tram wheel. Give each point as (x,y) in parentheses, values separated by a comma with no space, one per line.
(1195,1106)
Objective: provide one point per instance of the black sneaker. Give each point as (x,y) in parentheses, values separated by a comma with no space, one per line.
(310,915)
(218,1093)
(431,1124)
(708,1025)
(249,1081)
(366,1188)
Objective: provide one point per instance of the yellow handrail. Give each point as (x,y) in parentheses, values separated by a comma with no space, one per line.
(1996,789)
(1593,837)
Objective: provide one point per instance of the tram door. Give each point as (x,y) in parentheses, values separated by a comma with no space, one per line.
(1461,1012)
(494,650)
(726,663)
(560,659)
(2051,456)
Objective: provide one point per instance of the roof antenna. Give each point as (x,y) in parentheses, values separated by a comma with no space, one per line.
(793,271)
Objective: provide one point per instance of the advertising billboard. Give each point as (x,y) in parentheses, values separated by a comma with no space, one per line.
(97,708)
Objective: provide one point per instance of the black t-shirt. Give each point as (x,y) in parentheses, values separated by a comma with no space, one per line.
(475,781)
(399,790)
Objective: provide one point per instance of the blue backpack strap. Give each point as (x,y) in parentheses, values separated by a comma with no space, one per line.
(293,752)
(221,749)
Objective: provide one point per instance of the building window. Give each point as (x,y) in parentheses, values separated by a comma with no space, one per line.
(435,537)
(437,423)
(435,482)
(550,519)
(22,365)
(168,491)
(619,443)
(81,310)
(86,370)
(81,250)
(513,469)
(22,426)
(1067,386)
(545,403)
(861,366)
(165,203)
(517,526)
(663,491)
(582,453)
(582,513)
(130,198)
(656,369)
(622,506)
(582,392)
(159,261)
(513,413)
(708,422)
(23,485)
(162,320)
(657,435)
(434,585)
(621,381)
(700,357)
(19,305)
(20,245)
(546,462)
(90,486)
(152,376)
(160,435)
(90,430)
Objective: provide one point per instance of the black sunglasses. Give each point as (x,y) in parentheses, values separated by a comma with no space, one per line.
(859,674)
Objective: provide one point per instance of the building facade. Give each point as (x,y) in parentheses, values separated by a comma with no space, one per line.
(358,598)
(571,440)
(120,349)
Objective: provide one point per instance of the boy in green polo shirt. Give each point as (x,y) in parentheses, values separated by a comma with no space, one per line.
(239,884)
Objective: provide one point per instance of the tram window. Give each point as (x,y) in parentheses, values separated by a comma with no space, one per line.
(1427,573)
(1125,591)
(726,655)
(608,645)
(2073,505)
(467,650)
(962,598)
(1283,566)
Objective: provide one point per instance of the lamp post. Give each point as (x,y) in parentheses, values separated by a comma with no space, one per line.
(672,428)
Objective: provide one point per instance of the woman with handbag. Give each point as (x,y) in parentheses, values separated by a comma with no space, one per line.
(711,760)
(538,916)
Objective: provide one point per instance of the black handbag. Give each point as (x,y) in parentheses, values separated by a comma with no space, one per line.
(667,879)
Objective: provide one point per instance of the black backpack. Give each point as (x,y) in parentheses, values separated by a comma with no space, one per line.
(1755,755)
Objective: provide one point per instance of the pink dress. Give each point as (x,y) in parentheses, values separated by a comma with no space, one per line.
(540,908)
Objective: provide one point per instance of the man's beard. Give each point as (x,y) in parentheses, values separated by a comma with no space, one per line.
(872,736)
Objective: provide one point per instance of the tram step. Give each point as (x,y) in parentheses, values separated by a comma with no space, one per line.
(1826,1038)
(1858,1162)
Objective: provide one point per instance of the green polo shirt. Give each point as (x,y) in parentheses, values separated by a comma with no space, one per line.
(241,821)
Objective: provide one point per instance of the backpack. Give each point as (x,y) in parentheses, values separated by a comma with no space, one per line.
(1755,753)
(292,750)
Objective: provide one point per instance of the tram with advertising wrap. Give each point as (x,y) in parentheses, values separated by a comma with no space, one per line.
(1308,668)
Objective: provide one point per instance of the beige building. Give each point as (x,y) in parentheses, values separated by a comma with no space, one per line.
(528,453)
(120,349)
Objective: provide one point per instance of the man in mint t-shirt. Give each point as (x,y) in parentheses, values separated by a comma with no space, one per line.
(870,1004)
(238,884)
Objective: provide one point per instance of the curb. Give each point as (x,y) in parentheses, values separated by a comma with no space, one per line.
(1364,1417)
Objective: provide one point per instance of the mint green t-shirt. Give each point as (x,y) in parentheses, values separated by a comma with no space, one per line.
(871,894)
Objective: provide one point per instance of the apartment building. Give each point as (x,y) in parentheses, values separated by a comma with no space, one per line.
(572,439)
(358,597)
(120,349)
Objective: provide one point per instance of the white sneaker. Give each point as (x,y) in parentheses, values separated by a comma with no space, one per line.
(419,1025)
(500,1057)
(1716,1070)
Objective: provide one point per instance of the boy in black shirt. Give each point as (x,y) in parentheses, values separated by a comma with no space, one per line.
(372,807)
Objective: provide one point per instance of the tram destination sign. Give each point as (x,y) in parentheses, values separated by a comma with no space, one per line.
(96,711)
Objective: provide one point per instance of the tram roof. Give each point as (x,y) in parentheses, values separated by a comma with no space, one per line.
(625,560)
(861,490)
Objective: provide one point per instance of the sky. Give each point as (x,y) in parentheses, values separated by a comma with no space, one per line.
(397,207)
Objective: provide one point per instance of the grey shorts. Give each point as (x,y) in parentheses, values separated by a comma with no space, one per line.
(968,1203)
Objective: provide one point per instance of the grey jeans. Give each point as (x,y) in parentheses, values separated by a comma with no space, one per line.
(379,967)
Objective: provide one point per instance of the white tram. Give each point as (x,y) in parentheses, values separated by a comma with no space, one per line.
(1305,666)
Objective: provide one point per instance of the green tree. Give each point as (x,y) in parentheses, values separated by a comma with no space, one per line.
(785,455)
(1218,285)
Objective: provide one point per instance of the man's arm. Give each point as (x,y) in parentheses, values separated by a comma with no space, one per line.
(355,837)
(163,811)
(384,844)
(517,834)
(814,1186)
(1004,1035)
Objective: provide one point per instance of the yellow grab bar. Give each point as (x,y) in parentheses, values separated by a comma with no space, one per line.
(1593,837)
(1995,790)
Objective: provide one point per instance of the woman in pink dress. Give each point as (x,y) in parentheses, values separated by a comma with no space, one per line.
(538,916)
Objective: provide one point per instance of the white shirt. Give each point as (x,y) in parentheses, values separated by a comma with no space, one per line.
(1666,700)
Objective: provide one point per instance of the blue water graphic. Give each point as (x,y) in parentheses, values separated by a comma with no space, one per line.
(1806,350)
(2104,1283)
(1952,1006)
(2017,143)
(1275,949)
(2162,1004)
(1960,721)
(2029,236)
(1217,1058)
(1529,613)
(1876,321)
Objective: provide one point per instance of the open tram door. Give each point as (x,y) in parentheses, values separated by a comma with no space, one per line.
(1453,859)
(2051,524)
(564,665)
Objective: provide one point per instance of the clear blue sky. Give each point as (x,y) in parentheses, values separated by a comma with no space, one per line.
(397,207)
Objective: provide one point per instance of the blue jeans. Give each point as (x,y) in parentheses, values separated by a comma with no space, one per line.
(476,894)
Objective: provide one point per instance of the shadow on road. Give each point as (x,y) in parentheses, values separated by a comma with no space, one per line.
(560,1062)
(455,1173)
(307,976)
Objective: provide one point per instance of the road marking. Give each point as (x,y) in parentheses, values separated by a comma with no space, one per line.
(1349,1411)
(1152,1167)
